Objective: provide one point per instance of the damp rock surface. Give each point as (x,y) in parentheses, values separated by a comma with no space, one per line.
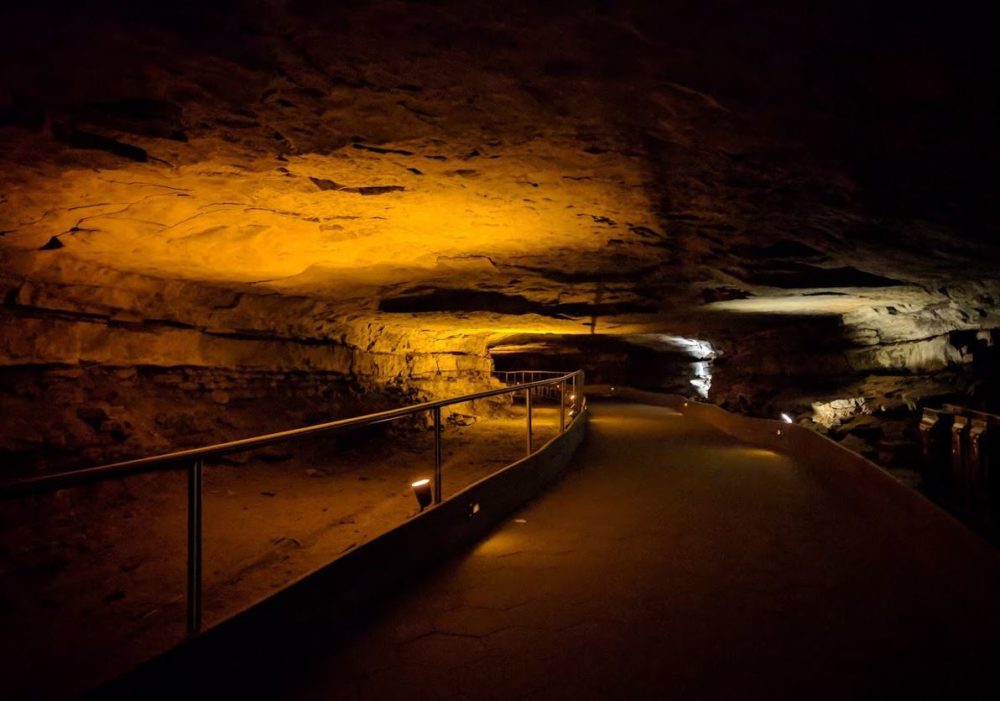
(385,191)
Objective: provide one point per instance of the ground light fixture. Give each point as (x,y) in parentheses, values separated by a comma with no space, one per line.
(572,405)
(786,418)
(423,492)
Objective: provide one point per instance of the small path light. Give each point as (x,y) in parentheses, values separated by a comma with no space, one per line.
(422,491)
(786,418)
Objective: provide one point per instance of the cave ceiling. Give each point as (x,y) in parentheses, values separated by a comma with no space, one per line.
(501,168)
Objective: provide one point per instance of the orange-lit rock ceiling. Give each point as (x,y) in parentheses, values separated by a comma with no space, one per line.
(384,190)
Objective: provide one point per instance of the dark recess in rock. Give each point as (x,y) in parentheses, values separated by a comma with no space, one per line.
(76,138)
(578,276)
(497,302)
(722,294)
(325,184)
(793,276)
(645,232)
(794,250)
(379,149)
(143,116)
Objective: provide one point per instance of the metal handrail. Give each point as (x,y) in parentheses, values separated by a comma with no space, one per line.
(517,377)
(74,478)
(195,459)
(504,375)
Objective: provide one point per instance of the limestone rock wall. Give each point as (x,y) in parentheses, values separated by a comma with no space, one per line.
(99,365)
(376,194)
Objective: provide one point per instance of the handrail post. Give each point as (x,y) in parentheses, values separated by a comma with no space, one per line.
(437,454)
(562,406)
(194,507)
(527,404)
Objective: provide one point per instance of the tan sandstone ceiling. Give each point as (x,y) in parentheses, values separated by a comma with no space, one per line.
(530,170)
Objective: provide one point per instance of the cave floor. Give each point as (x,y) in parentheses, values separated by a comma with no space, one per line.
(92,578)
(679,563)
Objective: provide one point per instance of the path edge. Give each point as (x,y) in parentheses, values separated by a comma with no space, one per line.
(333,596)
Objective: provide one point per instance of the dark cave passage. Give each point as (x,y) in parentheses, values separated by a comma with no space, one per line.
(657,362)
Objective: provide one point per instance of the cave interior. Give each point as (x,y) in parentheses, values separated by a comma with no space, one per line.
(220,219)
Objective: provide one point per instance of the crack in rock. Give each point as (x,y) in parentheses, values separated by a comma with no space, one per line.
(381,150)
(325,184)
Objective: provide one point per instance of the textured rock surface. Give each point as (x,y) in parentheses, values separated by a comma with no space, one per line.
(384,191)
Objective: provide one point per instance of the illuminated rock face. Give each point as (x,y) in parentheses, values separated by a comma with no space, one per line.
(382,193)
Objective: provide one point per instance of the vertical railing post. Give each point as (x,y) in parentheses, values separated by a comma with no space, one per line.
(527,404)
(562,406)
(194,548)
(437,454)
(576,395)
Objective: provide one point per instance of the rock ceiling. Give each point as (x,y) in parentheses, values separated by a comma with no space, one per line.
(443,175)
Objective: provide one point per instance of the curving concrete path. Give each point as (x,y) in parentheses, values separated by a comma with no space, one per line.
(678,563)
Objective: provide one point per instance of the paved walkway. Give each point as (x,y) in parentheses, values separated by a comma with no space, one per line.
(678,563)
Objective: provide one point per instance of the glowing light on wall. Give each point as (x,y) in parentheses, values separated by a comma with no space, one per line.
(702,381)
(696,348)
(702,352)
